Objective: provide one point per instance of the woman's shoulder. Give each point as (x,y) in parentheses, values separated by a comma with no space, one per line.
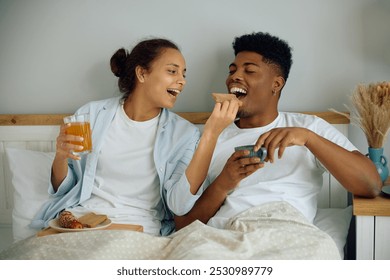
(99,104)
(178,122)
(172,116)
(103,102)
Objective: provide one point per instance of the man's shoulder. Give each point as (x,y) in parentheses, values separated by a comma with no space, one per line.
(298,119)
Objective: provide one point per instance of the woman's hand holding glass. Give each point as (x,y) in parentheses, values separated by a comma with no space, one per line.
(65,146)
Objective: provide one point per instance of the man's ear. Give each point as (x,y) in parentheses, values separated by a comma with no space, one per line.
(278,83)
(140,72)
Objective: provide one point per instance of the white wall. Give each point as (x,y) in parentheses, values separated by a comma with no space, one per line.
(54,54)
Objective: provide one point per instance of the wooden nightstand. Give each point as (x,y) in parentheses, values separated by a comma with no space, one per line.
(372,227)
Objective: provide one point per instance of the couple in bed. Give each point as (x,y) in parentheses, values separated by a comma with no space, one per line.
(151,167)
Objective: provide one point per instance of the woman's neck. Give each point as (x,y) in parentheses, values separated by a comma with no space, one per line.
(139,110)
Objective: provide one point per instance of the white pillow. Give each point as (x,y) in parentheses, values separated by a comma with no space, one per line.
(335,222)
(30,175)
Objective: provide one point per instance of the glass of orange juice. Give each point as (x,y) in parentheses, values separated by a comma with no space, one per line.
(80,126)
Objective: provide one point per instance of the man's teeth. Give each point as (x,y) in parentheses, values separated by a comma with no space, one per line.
(235,90)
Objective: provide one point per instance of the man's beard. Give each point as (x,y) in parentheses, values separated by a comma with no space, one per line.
(242,114)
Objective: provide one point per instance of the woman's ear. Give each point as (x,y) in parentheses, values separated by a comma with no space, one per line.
(139,72)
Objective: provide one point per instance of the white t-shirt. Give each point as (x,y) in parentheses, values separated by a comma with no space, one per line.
(126,186)
(295,178)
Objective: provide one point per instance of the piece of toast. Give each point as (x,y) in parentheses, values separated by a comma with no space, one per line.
(221,97)
(91,220)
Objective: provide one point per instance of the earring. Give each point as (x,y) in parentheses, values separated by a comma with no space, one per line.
(273,92)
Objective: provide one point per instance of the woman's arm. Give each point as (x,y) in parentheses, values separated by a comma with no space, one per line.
(222,116)
(64,150)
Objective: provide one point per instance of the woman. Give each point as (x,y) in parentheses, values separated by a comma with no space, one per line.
(141,150)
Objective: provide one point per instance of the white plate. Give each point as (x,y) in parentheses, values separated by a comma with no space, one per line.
(54,224)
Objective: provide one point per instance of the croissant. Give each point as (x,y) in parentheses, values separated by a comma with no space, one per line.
(68,220)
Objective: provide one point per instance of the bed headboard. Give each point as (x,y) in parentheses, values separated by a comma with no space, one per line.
(39,132)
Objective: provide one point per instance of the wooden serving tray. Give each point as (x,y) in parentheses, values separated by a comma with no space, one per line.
(49,230)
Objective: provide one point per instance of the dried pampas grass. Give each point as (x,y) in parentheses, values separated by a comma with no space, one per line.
(371,111)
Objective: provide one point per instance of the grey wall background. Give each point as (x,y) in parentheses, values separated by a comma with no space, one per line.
(54,55)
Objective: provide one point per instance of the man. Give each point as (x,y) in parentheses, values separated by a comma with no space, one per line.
(299,147)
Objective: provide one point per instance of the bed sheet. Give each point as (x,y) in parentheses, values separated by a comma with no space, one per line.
(272,231)
(336,223)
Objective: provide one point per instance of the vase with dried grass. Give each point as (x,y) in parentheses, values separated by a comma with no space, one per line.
(371,112)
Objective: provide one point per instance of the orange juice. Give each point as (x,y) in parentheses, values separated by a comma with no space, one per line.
(82,129)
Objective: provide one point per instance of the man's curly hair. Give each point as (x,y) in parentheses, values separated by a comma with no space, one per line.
(274,50)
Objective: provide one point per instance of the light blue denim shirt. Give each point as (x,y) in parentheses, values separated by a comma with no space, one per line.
(175,145)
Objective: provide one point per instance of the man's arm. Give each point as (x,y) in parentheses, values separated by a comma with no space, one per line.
(354,171)
(235,169)
(205,207)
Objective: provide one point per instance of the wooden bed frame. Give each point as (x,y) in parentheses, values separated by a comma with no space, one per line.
(39,131)
(194,117)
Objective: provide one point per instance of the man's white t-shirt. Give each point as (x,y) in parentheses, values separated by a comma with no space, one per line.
(295,178)
(126,186)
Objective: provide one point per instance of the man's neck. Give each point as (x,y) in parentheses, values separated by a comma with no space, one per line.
(256,121)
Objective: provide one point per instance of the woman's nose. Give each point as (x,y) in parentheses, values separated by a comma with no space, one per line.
(182,81)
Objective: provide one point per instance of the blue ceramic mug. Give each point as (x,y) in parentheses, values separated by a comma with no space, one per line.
(261,153)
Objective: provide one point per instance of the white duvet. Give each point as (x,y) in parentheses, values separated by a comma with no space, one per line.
(271,231)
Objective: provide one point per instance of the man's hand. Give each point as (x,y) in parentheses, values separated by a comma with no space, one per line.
(237,168)
(281,138)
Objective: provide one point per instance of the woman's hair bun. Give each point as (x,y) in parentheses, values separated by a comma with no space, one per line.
(118,62)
